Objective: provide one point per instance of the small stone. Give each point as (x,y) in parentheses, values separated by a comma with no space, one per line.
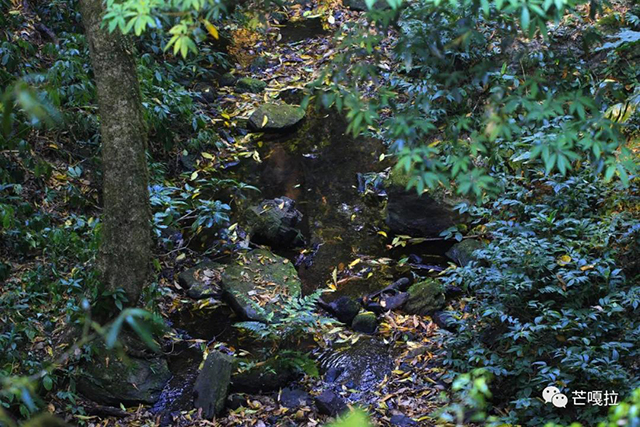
(330,403)
(249,85)
(259,64)
(235,401)
(211,386)
(365,322)
(276,117)
(343,308)
(462,252)
(294,398)
(401,420)
(227,79)
(444,320)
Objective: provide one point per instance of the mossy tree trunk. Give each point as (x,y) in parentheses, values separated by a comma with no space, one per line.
(125,251)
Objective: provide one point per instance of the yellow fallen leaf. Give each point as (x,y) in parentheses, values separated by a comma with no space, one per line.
(265,120)
(382,233)
(564,260)
(587,267)
(211,29)
(354,263)
(208,156)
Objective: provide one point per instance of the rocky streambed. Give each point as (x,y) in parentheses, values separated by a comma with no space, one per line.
(331,218)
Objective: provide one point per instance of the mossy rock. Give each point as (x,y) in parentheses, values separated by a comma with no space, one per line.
(258,274)
(211,386)
(274,222)
(425,297)
(366,322)
(227,79)
(462,252)
(276,117)
(249,85)
(111,380)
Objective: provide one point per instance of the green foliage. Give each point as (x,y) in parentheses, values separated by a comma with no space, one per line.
(550,302)
(355,418)
(471,392)
(462,111)
(295,319)
(193,21)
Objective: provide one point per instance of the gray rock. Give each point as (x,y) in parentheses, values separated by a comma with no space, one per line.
(259,273)
(330,403)
(462,252)
(425,297)
(259,63)
(416,215)
(211,386)
(294,398)
(366,322)
(111,379)
(249,85)
(275,117)
(274,222)
(402,421)
(202,281)
(270,375)
(343,308)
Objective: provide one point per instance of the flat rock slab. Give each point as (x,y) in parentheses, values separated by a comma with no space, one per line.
(259,278)
(276,117)
(203,280)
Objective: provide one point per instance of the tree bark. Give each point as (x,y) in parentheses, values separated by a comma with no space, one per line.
(125,251)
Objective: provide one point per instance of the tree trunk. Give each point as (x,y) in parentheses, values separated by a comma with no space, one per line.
(125,251)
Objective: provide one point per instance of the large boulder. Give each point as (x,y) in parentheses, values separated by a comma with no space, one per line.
(211,386)
(425,297)
(259,278)
(409,213)
(462,252)
(202,281)
(113,379)
(274,222)
(276,117)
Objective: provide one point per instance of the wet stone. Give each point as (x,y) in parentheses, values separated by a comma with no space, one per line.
(294,398)
(212,384)
(366,322)
(330,403)
(276,117)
